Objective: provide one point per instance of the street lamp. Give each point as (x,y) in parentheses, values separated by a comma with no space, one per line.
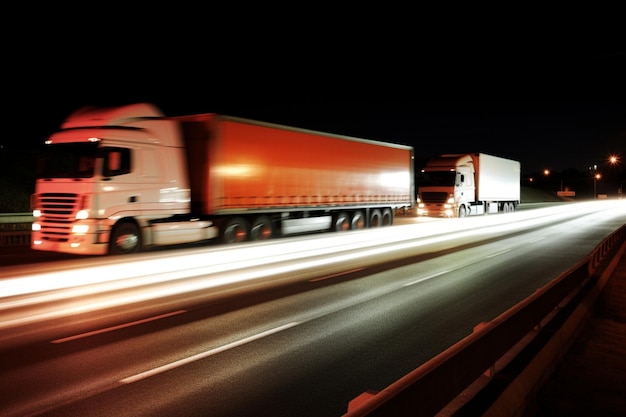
(595,180)
(614,160)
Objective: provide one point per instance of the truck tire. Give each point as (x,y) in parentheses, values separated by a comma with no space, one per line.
(261,228)
(462,211)
(235,230)
(358,221)
(387,217)
(125,238)
(341,222)
(376,218)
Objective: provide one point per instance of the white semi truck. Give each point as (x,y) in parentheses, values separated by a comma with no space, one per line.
(459,185)
(124,179)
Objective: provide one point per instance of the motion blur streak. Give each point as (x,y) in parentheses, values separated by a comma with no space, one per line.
(210,268)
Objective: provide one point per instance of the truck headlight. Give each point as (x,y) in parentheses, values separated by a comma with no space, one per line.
(80,229)
(82,214)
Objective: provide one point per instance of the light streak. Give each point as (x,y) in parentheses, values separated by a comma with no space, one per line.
(153,276)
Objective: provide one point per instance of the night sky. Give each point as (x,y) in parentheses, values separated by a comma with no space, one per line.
(554,102)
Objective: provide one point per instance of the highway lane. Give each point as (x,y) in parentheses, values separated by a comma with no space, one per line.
(305,347)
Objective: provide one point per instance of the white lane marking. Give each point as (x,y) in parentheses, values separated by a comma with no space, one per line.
(336,275)
(120,326)
(203,355)
(426,278)
(497,253)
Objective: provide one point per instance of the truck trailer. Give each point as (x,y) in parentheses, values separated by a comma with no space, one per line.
(459,185)
(124,179)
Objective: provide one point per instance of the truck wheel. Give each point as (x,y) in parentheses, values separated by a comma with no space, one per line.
(261,229)
(341,222)
(462,211)
(235,230)
(125,238)
(358,221)
(387,217)
(376,218)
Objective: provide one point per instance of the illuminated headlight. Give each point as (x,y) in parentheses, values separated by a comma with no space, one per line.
(451,200)
(36,227)
(447,206)
(420,205)
(82,214)
(80,229)
(36,213)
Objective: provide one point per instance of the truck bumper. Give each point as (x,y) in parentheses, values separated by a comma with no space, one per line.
(75,243)
(435,210)
(67,247)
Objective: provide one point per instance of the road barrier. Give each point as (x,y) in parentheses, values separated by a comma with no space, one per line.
(480,370)
(16,229)
(17,238)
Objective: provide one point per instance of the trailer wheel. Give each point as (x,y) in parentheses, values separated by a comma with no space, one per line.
(235,230)
(125,238)
(376,218)
(387,217)
(462,211)
(358,221)
(341,222)
(261,229)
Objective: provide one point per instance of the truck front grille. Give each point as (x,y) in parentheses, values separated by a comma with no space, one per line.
(434,197)
(57,212)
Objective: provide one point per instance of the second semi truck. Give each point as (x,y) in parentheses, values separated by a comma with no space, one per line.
(119,180)
(459,185)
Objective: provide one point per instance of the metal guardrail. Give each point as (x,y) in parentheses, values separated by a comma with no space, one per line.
(16,238)
(9,238)
(8,218)
(427,390)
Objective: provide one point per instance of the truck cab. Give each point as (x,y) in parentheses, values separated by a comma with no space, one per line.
(103,177)
(446,187)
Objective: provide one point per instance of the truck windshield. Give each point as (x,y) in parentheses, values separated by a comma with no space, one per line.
(437,178)
(67,160)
